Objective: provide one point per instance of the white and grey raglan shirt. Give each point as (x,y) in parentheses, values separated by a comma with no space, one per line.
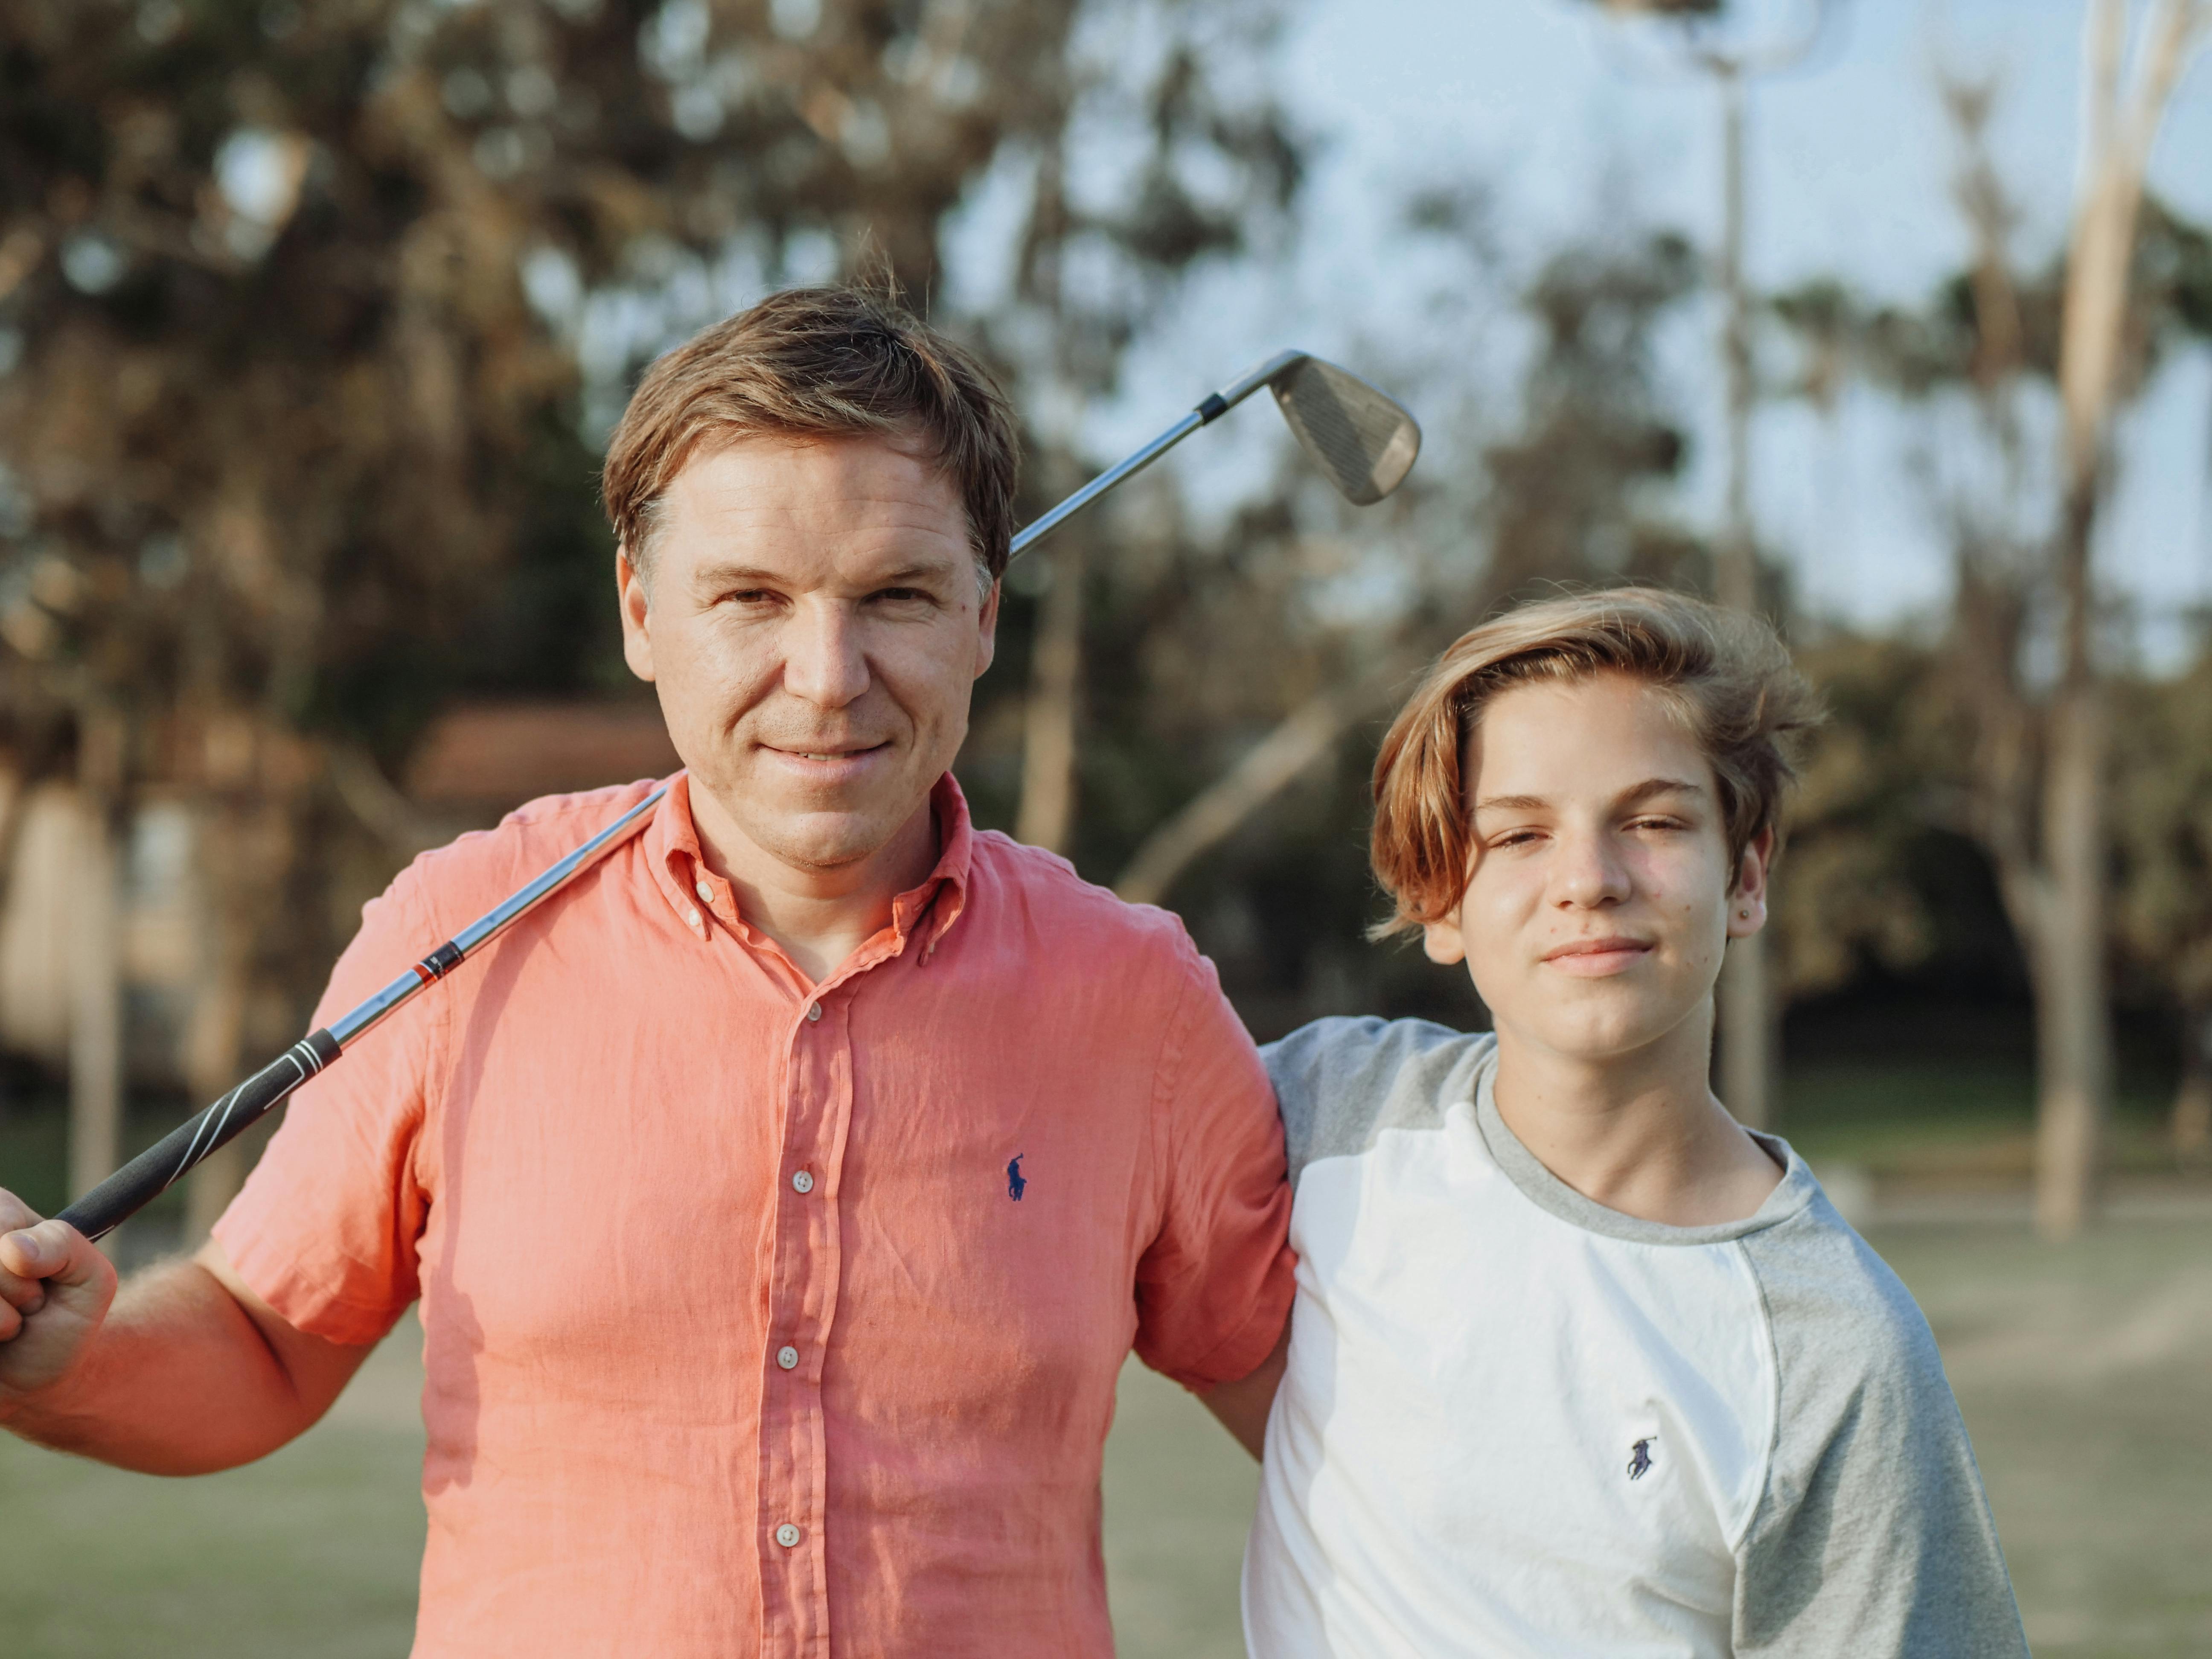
(1516,1422)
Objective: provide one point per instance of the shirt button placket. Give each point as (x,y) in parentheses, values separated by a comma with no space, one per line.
(806,1271)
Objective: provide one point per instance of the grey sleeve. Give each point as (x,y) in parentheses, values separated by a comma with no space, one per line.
(1873,1538)
(1339,1082)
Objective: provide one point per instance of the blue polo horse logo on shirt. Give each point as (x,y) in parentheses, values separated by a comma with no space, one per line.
(1640,1458)
(1017,1182)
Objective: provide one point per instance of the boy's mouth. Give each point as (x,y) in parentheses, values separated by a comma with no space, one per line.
(1593,959)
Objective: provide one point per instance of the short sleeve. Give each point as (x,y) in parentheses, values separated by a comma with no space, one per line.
(324,1231)
(1215,1288)
(1873,1538)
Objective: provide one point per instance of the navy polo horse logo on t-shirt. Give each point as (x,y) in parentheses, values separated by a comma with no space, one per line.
(1640,1458)
(1017,1182)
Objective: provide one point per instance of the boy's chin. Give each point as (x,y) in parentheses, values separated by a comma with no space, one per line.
(1594,1036)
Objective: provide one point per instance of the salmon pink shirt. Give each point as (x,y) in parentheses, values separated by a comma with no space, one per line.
(764,1316)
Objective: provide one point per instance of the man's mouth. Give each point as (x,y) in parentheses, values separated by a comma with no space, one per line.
(829,761)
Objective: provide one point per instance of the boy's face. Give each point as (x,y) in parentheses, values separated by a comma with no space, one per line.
(1602,898)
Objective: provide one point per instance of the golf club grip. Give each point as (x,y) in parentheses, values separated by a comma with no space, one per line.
(161,1165)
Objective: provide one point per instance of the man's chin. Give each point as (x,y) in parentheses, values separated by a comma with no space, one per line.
(819,837)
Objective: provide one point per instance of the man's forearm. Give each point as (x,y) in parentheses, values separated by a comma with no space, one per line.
(179,1380)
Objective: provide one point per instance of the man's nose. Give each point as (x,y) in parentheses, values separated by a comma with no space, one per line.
(1587,871)
(824,663)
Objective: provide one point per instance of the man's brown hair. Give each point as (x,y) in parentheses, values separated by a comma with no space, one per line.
(818,362)
(1728,676)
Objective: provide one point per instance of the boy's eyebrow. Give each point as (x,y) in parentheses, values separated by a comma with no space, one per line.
(1651,787)
(1642,792)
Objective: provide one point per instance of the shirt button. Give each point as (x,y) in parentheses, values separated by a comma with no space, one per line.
(787,1535)
(813,1012)
(705,889)
(802,1181)
(691,917)
(788,1357)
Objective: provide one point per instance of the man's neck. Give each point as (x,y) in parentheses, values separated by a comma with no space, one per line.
(1641,1133)
(819,915)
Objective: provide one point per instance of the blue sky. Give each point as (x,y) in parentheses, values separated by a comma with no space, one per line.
(1547,106)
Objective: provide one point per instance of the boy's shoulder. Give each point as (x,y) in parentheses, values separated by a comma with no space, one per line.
(1871,1534)
(1844,1326)
(1340,1082)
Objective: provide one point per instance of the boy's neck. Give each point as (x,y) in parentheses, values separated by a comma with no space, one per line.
(1641,1133)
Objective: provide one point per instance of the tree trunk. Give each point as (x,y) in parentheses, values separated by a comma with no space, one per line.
(211,1057)
(95,1142)
(1747,1021)
(1047,815)
(238,851)
(2074,1037)
(2074,1041)
(2192,1101)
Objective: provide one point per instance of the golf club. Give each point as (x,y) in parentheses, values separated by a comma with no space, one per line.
(1364,444)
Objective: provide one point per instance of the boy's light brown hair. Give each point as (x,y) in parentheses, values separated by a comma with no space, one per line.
(1728,675)
(818,362)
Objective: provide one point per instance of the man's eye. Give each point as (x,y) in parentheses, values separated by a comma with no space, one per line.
(1515,838)
(1657,824)
(903,595)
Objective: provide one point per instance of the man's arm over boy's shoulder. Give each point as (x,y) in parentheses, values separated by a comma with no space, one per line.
(1873,1537)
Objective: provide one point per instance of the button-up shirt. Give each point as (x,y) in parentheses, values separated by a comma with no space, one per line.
(764,1316)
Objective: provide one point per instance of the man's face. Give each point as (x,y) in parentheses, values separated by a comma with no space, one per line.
(811,616)
(1600,902)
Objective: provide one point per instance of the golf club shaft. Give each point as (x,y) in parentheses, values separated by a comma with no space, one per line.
(157,1168)
(1213,408)
(161,1165)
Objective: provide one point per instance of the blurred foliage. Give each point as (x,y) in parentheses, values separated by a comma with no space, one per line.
(307,313)
(2162,816)
(295,305)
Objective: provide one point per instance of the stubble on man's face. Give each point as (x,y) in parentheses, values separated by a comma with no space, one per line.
(811,618)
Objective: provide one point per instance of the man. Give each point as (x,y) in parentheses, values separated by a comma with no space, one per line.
(782,1196)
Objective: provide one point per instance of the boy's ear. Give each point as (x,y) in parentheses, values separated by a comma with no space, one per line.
(1747,903)
(1442,940)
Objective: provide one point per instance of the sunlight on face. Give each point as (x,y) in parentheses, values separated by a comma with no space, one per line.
(813,624)
(1599,907)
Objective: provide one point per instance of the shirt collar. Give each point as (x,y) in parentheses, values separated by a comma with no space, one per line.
(928,909)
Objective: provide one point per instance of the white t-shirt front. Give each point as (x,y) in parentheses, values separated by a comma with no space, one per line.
(1515,1422)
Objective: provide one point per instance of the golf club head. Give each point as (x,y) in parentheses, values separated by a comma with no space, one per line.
(1364,442)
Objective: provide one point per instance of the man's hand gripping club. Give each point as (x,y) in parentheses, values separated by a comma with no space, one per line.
(186,1372)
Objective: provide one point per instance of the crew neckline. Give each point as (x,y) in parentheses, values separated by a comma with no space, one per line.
(1547,1191)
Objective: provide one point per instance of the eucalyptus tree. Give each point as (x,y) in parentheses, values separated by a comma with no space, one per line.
(289,302)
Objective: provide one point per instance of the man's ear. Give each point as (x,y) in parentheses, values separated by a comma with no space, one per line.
(986,629)
(1747,903)
(636,616)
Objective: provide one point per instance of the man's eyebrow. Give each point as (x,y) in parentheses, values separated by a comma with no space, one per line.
(1642,792)
(743,576)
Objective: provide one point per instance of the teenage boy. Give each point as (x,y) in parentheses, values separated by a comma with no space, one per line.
(1578,1365)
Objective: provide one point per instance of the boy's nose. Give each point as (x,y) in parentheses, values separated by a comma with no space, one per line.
(1588,873)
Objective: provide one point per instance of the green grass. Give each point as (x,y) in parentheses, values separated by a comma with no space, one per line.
(1957,1123)
(2085,1373)
(311,1551)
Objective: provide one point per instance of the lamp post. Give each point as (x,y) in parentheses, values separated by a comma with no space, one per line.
(1723,41)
